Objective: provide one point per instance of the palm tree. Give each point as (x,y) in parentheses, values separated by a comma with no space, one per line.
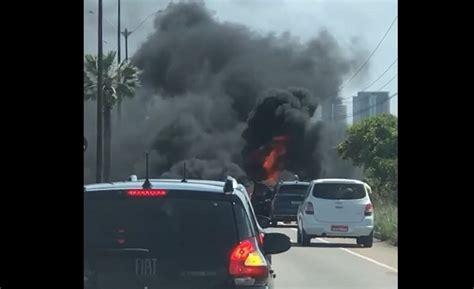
(119,82)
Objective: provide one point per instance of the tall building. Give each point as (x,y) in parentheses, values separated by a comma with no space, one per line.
(369,103)
(333,110)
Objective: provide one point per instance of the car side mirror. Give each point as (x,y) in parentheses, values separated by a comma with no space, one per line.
(263,221)
(275,243)
(85,144)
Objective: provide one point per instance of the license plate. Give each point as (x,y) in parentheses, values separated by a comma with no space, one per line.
(296,203)
(339,228)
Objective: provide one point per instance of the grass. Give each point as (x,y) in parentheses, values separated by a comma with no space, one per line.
(386,223)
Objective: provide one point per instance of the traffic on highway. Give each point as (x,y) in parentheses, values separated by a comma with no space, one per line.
(232,145)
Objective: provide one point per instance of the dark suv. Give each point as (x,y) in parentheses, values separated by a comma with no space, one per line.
(261,199)
(176,235)
(288,196)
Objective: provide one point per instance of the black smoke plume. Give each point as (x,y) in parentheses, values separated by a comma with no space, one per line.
(214,92)
(283,114)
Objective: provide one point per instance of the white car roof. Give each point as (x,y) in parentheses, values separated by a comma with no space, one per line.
(338,181)
(293,183)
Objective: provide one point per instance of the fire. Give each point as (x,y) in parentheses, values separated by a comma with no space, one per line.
(272,161)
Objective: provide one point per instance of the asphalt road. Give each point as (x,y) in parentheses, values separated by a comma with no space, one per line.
(335,264)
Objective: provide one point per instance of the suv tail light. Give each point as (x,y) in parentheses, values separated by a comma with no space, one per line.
(369,209)
(309,210)
(246,261)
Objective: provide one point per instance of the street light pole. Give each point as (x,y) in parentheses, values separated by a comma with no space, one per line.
(99,160)
(119,38)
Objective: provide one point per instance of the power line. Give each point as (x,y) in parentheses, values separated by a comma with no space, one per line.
(380,76)
(145,19)
(373,82)
(370,55)
(365,63)
(388,82)
(92,12)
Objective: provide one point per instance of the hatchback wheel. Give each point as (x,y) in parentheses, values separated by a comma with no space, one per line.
(366,241)
(303,238)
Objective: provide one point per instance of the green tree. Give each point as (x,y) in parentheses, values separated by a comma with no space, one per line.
(373,145)
(119,82)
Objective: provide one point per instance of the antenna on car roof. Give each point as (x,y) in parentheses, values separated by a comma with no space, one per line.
(147,184)
(184,173)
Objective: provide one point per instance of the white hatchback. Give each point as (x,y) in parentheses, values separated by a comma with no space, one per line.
(339,208)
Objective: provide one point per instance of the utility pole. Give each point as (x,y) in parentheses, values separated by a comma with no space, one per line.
(126,33)
(99,156)
(118,33)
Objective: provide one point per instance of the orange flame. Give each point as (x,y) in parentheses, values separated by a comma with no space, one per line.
(271,163)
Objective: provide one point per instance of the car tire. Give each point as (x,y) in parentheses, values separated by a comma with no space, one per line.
(298,236)
(303,238)
(366,241)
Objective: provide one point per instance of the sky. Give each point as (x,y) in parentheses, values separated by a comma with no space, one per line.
(347,20)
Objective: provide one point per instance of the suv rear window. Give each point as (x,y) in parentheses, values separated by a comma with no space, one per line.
(339,191)
(293,190)
(172,228)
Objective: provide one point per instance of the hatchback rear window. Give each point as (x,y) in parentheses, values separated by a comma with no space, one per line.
(338,191)
(201,230)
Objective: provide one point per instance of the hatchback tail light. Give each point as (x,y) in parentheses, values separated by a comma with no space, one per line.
(369,209)
(246,261)
(309,210)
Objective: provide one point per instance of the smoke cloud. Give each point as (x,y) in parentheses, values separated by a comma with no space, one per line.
(283,117)
(215,94)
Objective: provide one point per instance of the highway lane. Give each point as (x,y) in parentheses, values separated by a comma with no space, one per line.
(335,264)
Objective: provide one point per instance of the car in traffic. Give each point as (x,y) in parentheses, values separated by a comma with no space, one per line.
(176,234)
(337,208)
(261,199)
(286,201)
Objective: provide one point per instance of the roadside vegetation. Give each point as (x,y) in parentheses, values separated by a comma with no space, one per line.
(373,145)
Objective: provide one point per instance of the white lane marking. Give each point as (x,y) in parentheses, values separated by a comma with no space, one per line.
(363,257)
(358,255)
